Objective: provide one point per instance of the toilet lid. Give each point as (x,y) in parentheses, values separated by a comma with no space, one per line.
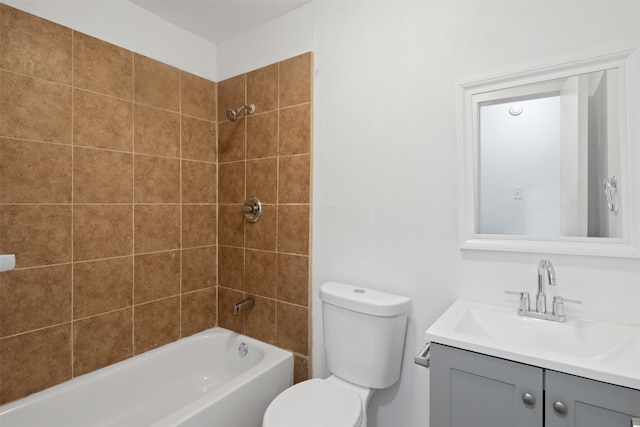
(314,403)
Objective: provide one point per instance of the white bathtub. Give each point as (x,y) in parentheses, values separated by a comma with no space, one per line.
(201,380)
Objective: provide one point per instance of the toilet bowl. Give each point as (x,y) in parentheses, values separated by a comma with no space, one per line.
(319,403)
(363,336)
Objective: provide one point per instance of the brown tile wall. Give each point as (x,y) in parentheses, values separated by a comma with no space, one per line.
(108,199)
(123,213)
(267,155)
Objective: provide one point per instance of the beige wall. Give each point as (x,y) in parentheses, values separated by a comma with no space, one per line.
(267,155)
(108,200)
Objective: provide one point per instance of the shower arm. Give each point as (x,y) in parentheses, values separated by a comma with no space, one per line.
(251,108)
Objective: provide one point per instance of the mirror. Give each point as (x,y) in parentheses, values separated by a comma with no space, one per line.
(544,160)
(545,151)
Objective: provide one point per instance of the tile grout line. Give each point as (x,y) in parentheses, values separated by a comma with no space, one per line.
(73,37)
(133,210)
(217,199)
(180,332)
(277,193)
(244,223)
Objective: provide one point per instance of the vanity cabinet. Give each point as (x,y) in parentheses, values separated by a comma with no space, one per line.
(588,403)
(475,390)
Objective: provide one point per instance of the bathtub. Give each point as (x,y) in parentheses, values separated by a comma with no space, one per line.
(203,380)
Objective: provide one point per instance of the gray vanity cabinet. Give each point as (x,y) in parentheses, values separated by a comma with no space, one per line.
(579,402)
(475,390)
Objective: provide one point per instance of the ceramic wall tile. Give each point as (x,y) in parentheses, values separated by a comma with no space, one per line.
(198,96)
(295,130)
(294,179)
(49,225)
(156,323)
(102,340)
(198,182)
(102,121)
(262,88)
(100,149)
(102,286)
(199,267)
(293,330)
(102,231)
(198,139)
(34,172)
(262,179)
(35,298)
(260,321)
(34,46)
(102,67)
(295,80)
(260,273)
(35,109)
(157,275)
(157,132)
(48,364)
(157,228)
(156,180)
(156,84)
(262,135)
(101,176)
(198,311)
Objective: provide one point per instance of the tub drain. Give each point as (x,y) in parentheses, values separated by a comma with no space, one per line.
(243,349)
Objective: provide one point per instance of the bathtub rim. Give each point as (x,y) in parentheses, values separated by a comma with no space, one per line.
(272,357)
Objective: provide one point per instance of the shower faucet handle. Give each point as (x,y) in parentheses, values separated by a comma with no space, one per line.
(252,209)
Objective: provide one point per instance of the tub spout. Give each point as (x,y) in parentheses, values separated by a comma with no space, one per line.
(242,306)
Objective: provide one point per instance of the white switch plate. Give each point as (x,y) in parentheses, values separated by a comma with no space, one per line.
(518,193)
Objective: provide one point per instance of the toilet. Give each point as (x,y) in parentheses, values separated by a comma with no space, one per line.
(364,333)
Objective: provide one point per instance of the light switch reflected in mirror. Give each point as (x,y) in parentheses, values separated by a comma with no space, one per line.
(547,159)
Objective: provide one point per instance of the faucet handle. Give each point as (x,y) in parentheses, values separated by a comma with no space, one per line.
(525,303)
(514,292)
(558,305)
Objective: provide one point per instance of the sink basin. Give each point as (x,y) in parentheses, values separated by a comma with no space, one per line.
(567,339)
(599,350)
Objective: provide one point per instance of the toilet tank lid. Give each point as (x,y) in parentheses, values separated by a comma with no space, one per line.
(363,300)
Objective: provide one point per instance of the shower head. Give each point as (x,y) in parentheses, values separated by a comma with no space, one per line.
(233,114)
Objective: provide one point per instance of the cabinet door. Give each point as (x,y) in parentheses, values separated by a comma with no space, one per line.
(473,390)
(588,403)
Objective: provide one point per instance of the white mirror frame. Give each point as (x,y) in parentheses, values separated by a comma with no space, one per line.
(628,64)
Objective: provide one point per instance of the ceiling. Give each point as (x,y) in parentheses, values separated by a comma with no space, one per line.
(219,20)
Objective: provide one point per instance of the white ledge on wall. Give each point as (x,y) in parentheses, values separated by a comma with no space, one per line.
(577,246)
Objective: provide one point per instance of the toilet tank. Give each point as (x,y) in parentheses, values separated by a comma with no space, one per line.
(364,333)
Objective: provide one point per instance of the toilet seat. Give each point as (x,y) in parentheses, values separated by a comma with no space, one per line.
(315,403)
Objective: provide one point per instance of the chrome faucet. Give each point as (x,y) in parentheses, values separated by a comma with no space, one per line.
(545,273)
(544,268)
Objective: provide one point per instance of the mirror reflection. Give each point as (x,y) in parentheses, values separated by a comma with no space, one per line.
(549,158)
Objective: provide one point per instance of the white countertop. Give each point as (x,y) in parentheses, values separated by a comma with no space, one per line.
(608,352)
